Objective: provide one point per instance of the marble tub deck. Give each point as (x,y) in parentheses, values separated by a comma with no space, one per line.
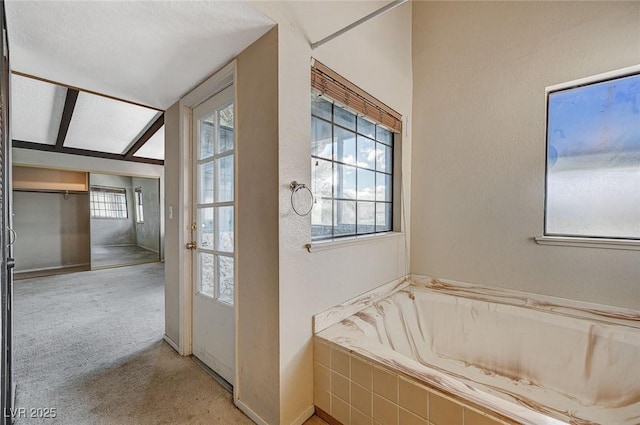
(532,359)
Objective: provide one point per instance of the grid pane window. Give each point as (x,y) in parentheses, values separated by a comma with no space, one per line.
(108,202)
(352,172)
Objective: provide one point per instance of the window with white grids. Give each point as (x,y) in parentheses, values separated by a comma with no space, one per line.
(108,202)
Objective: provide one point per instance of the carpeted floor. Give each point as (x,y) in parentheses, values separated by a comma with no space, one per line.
(90,345)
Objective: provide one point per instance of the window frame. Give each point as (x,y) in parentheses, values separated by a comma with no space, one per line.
(138,198)
(591,241)
(393,173)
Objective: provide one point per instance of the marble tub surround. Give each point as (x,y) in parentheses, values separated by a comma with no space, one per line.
(533,360)
(562,306)
(340,312)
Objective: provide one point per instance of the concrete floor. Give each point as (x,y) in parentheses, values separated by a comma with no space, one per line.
(89,344)
(121,255)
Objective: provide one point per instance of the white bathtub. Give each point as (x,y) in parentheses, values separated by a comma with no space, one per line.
(534,361)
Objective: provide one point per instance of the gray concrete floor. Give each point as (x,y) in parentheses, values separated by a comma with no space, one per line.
(121,255)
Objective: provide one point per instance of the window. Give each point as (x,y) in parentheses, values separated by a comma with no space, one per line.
(352,172)
(108,202)
(593,159)
(139,205)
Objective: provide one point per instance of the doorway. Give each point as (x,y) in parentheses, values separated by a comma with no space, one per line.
(125,220)
(213,234)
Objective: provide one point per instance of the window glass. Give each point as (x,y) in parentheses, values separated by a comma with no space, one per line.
(352,173)
(139,205)
(345,178)
(593,160)
(321,138)
(345,147)
(108,202)
(321,107)
(344,118)
(366,217)
(366,128)
(383,135)
(224,180)
(366,153)
(225,130)
(344,218)
(366,185)
(207,126)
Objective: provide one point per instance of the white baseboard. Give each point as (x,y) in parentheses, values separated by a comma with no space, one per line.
(309,411)
(250,413)
(42,269)
(172,344)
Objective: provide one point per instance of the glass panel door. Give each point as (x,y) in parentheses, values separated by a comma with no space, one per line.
(214,231)
(215,204)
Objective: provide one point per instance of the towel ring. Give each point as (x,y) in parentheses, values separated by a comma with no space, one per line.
(295,188)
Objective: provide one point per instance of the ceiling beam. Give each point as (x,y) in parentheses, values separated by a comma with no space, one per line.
(67,113)
(83,152)
(144,137)
(57,83)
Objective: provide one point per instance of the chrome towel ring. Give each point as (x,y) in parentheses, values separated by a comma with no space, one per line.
(295,188)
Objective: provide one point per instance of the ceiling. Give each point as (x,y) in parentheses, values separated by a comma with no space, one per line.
(148,52)
(50,117)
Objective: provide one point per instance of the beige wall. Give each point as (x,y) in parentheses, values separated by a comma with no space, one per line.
(257,228)
(174,263)
(480,71)
(52,230)
(376,57)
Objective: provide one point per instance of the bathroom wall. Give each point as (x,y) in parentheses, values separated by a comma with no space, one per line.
(114,231)
(480,70)
(376,57)
(257,228)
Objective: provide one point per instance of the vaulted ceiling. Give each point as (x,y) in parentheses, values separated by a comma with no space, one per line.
(148,53)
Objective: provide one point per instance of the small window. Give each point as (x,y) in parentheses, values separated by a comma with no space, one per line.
(352,172)
(139,205)
(108,202)
(593,159)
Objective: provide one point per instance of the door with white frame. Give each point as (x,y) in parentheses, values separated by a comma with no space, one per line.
(214,234)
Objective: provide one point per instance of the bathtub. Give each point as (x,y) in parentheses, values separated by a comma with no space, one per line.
(506,356)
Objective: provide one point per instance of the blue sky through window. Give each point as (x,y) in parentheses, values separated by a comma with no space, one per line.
(593,160)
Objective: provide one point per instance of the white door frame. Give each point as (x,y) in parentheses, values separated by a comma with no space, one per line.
(219,81)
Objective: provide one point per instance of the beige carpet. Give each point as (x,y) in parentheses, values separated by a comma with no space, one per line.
(90,345)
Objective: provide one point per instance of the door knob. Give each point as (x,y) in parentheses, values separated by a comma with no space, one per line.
(192,245)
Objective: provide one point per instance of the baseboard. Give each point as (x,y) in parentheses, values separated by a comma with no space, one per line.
(51,268)
(172,344)
(157,251)
(33,273)
(250,413)
(308,412)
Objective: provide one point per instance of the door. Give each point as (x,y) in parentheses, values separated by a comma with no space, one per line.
(213,234)
(6,273)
